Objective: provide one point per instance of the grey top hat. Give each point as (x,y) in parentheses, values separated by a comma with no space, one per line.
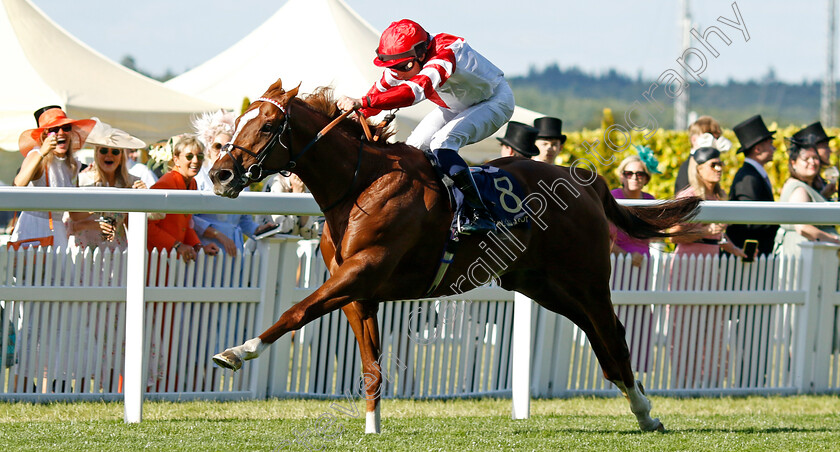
(521,138)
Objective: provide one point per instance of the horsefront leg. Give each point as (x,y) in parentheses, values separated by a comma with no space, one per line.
(362,318)
(342,288)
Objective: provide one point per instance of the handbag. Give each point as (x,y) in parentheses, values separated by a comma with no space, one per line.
(36,241)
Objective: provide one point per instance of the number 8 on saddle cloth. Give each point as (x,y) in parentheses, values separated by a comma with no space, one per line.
(499,190)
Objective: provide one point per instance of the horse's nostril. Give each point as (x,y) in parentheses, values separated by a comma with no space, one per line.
(224,176)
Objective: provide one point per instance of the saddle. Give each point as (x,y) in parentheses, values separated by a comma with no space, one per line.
(499,190)
(501,194)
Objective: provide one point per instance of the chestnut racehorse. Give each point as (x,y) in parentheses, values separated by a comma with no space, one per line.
(388,219)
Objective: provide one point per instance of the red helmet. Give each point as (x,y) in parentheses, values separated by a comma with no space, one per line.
(400,42)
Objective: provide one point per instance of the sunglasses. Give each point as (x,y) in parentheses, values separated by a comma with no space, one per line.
(190,156)
(114,152)
(405,67)
(65,128)
(639,174)
(717,166)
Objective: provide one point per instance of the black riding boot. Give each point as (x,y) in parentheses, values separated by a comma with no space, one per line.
(482,220)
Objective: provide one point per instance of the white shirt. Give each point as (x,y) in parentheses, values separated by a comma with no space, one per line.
(757,166)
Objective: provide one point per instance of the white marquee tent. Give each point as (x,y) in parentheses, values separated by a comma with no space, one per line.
(315,43)
(45,65)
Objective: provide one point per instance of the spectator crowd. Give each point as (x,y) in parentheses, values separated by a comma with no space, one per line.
(50,160)
(812,179)
(184,161)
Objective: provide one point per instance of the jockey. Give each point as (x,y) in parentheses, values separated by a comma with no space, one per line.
(473,99)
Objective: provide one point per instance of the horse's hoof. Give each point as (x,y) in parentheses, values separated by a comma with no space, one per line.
(228,360)
(656,426)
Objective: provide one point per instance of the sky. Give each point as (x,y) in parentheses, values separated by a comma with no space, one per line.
(641,37)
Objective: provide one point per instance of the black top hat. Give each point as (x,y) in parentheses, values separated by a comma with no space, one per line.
(41,111)
(550,128)
(805,141)
(813,134)
(521,138)
(751,132)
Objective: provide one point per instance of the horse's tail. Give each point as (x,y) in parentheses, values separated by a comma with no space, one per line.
(645,222)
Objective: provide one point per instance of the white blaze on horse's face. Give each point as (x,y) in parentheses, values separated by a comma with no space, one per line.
(243,122)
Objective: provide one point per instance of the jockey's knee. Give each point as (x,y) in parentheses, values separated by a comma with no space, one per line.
(450,162)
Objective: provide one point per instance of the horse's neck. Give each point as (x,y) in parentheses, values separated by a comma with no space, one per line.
(329,168)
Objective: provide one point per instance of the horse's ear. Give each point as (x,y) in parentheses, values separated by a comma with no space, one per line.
(291,94)
(278,85)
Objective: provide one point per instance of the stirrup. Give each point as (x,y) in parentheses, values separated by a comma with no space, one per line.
(481,221)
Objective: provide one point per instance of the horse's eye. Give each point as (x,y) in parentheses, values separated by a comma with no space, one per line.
(266,128)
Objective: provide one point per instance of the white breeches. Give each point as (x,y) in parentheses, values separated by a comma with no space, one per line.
(446,129)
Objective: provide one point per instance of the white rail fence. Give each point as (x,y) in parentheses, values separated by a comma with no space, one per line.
(65,320)
(694,326)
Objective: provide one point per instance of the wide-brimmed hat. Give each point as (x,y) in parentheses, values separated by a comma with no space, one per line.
(50,117)
(550,128)
(521,138)
(813,133)
(751,132)
(106,136)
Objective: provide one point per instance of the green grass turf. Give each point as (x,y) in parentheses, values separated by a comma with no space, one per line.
(743,424)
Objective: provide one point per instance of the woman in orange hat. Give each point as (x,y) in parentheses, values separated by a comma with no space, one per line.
(49,162)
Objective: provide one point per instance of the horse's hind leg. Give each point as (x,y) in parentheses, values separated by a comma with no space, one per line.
(362,318)
(591,310)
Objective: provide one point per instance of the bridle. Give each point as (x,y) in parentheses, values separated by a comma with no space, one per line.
(256,171)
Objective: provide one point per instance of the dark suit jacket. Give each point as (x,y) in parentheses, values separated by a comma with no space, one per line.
(682,178)
(749,185)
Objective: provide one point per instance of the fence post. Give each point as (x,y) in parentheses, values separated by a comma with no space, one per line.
(521,361)
(286,283)
(135,304)
(814,329)
(269,250)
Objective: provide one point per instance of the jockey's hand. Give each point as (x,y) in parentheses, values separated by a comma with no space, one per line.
(348,103)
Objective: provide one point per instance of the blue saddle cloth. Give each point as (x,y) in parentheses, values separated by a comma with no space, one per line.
(500,192)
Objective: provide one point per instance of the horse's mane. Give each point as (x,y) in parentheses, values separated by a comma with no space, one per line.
(323,101)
